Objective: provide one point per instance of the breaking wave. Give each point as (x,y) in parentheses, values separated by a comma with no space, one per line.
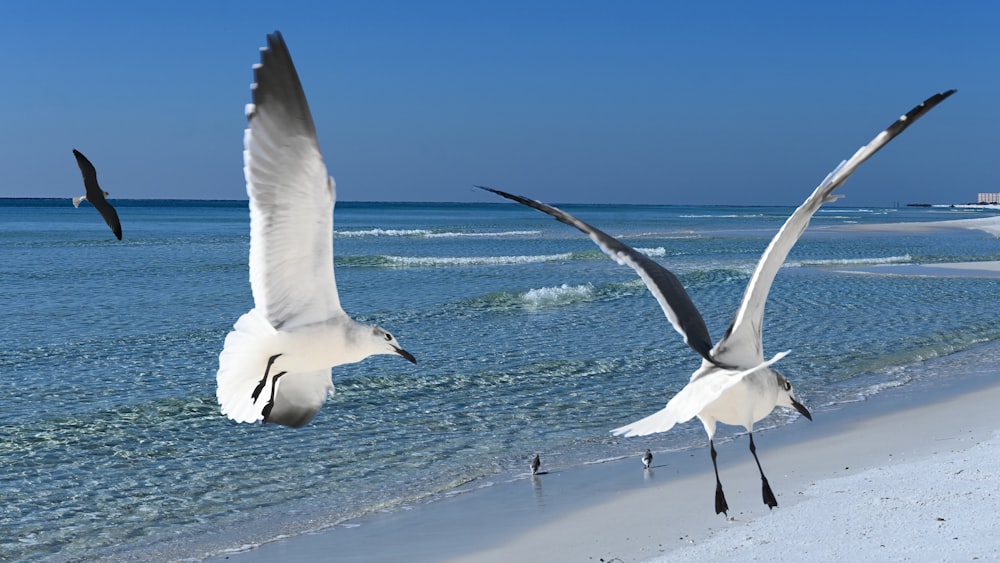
(427,233)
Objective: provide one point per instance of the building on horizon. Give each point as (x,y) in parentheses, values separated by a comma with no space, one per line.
(989,198)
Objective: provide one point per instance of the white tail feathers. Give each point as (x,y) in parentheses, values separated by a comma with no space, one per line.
(77,200)
(241,367)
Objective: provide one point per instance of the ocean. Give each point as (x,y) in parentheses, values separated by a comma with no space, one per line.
(529,340)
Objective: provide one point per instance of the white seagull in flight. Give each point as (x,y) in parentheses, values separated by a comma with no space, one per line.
(275,365)
(734,385)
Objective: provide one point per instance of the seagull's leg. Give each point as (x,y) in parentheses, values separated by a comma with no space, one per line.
(720,499)
(769,499)
(263,380)
(270,403)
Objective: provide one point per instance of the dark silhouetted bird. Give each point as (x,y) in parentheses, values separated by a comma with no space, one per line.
(95,195)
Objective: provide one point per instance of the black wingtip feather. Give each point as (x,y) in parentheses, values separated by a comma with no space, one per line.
(277,85)
(916,113)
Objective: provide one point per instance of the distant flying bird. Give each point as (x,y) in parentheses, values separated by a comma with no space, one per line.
(95,195)
(275,365)
(535,464)
(647,459)
(734,384)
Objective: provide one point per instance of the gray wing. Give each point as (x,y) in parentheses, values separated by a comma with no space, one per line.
(662,283)
(291,199)
(95,195)
(741,344)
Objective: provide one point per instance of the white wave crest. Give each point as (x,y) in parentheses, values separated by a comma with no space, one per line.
(722,216)
(486,235)
(384,233)
(658,251)
(425,233)
(560,294)
(474,260)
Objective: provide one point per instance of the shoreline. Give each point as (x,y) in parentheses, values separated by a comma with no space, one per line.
(617,511)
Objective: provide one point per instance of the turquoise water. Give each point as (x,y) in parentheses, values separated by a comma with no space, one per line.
(528,340)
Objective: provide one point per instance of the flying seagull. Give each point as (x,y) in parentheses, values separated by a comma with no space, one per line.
(95,195)
(275,366)
(734,385)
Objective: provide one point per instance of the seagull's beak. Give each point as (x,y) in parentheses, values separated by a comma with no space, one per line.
(799,407)
(406,355)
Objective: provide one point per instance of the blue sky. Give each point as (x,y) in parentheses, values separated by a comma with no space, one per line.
(593,102)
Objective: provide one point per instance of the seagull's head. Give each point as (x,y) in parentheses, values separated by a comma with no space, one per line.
(385,343)
(786,397)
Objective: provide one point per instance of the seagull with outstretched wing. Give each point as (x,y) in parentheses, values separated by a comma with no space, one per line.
(95,195)
(275,365)
(734,384)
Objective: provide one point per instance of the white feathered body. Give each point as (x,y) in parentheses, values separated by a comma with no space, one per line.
(744,403)
(308,354)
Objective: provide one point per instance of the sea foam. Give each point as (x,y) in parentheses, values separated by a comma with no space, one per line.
(558,295)
(474,260)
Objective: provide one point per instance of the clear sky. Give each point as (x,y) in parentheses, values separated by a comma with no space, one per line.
(741,102)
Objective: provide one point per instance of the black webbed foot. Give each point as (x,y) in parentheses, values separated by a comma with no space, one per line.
(769,499)
(266,411)
(721,507)
(263,381)
(258,389)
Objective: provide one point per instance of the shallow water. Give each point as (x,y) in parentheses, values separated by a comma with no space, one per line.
(529,340)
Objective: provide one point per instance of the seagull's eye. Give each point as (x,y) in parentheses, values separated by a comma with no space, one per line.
(788,385)
(388,337)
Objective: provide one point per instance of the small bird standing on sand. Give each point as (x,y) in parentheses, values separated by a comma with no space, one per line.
(535,464)
(95,195)
(647,459)
(734,385)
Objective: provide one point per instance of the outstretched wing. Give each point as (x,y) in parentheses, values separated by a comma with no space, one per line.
(741,344)
(662,283)
(291,199)
(95,195)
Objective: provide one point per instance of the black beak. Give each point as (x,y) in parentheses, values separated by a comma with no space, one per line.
(798,406)
(409,356)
